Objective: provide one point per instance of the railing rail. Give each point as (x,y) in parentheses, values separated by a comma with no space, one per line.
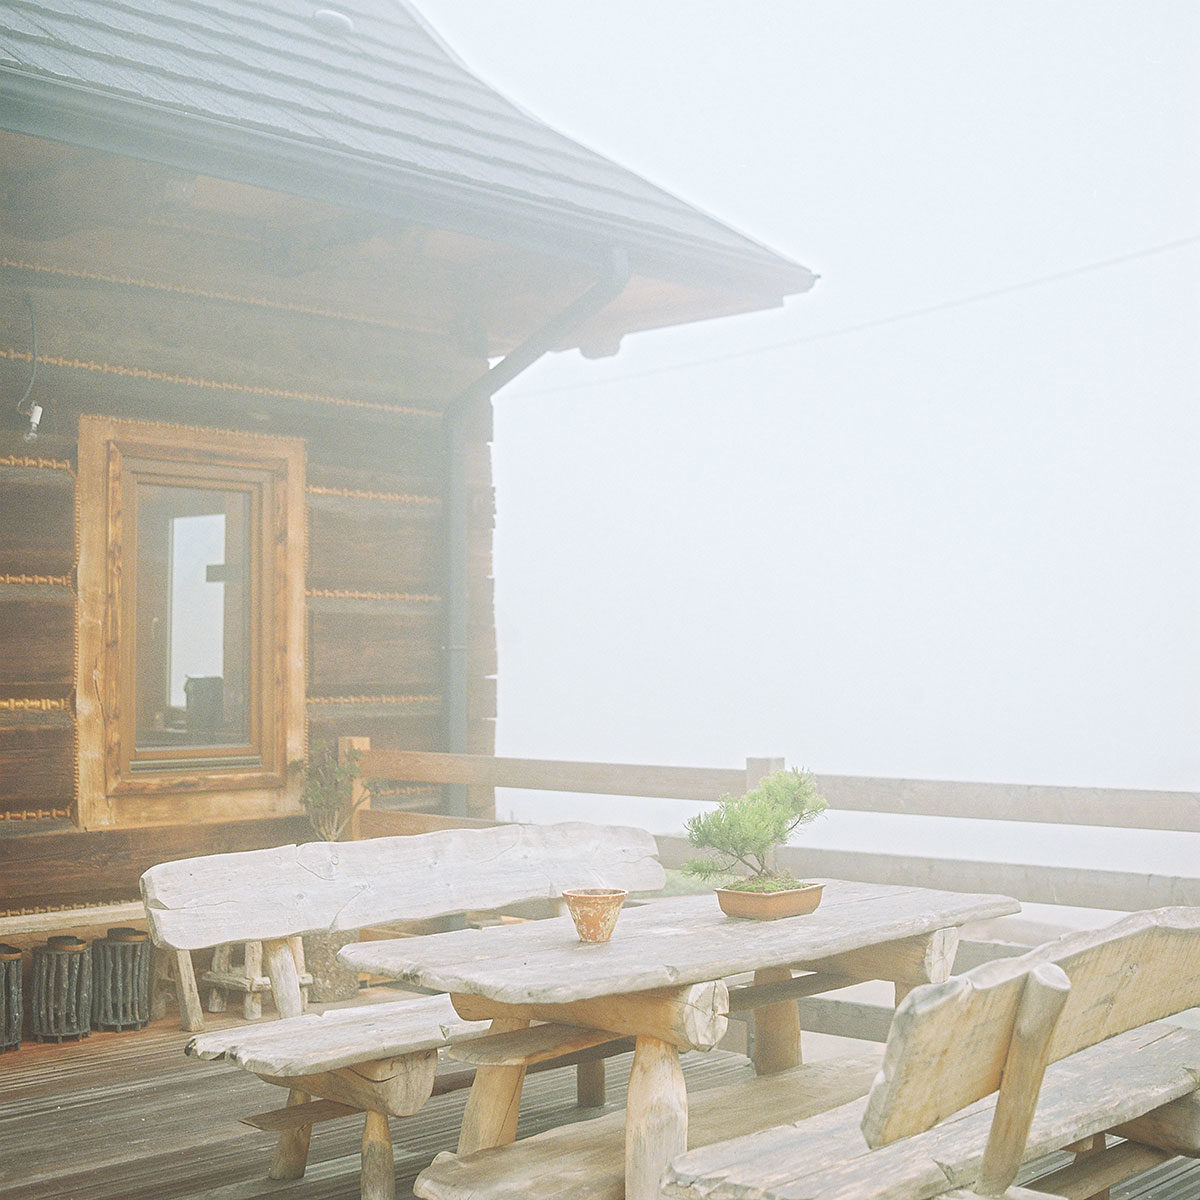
(1061,885)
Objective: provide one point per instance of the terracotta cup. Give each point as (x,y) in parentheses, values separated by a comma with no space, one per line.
(594,911)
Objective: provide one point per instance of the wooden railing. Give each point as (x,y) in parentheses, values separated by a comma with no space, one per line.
(1063,885)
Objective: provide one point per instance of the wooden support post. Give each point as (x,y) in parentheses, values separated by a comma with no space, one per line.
(656,1117)
(360,798)
(296,942)
(757,769)
(252,968)
(776,1028)
(188,994)
(590,1083)
(222,960)
(291,1151)
(1042,1000)
(285,980)
(490,1116)
(1089,1148)
(378,1181)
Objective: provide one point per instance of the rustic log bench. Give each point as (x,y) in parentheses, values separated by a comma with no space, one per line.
(1090,1003)
(381,1059)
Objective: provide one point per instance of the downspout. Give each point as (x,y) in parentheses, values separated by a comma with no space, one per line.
(457,429)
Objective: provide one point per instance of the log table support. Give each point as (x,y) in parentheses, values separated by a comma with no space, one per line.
(378,1163)
(776,1028)
(656,1117)
(291,1152)
(590,1083)
(187,993)
(490,1117)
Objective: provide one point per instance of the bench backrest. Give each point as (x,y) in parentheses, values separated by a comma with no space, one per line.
(256,895)
(949,1041)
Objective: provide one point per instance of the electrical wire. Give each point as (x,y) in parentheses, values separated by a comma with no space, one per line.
(877,322)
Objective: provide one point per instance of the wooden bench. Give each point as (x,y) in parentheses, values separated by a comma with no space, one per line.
(965,1097)
(1090,1003)
(380,1059)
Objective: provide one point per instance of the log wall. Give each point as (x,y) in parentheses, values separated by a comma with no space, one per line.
(193,323)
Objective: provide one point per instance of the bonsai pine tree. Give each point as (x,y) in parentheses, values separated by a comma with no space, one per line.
(742,831)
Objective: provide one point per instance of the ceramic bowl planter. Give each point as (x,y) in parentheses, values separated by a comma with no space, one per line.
(770,906)
(594,911)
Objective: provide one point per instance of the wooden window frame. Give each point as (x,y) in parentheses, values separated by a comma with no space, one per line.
(118,784)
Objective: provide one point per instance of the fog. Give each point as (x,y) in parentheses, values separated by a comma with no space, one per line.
(938,517)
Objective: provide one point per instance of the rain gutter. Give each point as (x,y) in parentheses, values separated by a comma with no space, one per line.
(461,415)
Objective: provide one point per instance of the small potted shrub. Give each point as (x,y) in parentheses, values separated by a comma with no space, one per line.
(743,832)
(330,798)
(328,793)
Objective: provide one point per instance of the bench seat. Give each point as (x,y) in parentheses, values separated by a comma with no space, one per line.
(341,1037)
(826,1157)
(587,1159)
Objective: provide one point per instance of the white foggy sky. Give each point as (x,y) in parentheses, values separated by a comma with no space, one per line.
(959,546)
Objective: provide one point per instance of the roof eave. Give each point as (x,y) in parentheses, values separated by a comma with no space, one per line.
(62,111)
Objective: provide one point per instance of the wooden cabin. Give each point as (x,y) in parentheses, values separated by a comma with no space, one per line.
(263,266)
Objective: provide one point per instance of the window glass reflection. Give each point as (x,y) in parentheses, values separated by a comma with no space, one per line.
(192,649)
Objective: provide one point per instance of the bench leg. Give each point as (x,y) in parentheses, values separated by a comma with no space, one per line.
(297,947)
(656,1117)
(252,969)
(222,960)
(291,1151)
(589,1083)
(378,1165)
(490,1117)
(776,1028)
(187,993)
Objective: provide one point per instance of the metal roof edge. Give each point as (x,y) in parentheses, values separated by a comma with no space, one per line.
(62,111)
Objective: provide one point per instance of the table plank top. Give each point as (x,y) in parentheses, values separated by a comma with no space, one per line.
(663,944)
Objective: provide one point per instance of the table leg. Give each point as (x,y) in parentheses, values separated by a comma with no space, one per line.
(776,1028)
(656,1117)
(490,1117)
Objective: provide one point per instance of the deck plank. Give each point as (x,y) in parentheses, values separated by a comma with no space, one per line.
(126,1116)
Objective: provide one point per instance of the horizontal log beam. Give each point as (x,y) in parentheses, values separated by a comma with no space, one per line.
(1078,887)
(1116,808)
(615,779)
(692,1016)
(845,1018)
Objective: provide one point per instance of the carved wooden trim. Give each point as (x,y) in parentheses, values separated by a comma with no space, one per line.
(110,792)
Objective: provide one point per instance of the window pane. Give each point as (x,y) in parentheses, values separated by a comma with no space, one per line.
(192,649)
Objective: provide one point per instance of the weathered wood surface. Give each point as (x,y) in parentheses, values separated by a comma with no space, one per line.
(398,1086)
(1174,1127)
(1042,999)
(1142,968)
(347,885)
(341,1037)
(524,1047)
(664,944)
(827,1157)
(585,1161)
(692,1016)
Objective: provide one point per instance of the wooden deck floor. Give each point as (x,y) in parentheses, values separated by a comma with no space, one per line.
(128,1117)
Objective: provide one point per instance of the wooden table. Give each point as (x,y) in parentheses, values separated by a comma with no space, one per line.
(662,978)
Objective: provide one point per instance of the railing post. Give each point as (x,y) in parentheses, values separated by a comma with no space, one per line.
(360,798)
(757,769)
